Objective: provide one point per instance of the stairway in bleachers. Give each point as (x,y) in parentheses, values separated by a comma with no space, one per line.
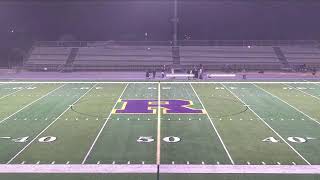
(71,58)
(282,58)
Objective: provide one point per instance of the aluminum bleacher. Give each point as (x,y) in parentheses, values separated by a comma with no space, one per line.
(49,58)
(129,57)
(302,55)
(217,57)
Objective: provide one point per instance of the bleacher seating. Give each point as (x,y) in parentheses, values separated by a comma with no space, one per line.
(302,55)
(129,57)
(47,57)
(218,57)
(122,57)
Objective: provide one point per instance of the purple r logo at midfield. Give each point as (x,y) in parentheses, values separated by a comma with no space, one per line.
(141,106)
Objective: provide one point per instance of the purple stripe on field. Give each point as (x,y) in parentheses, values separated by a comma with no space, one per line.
(72,168)
(250,169)
(170,169)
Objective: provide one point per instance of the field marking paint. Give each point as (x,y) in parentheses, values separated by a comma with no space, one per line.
(31,103)
(103,126)
(152,169)
(24,88)
(311,118)
(35,138)
(268,125)
(155,82)
(159,127)
(303,92)
(214,127)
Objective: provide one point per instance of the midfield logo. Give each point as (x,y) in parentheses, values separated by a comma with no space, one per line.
(140,106)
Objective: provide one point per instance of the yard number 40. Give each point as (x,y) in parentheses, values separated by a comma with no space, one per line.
(291,139)
(45,139)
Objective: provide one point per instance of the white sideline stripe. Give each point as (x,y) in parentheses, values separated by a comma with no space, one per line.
(155,82)
(221,75)
(167,168)
(24,88)
(180,75)
(159,127)
(103,126)
(311,118)
(303,92)
(31,103)
(25,147)
(268,126)
(214,127)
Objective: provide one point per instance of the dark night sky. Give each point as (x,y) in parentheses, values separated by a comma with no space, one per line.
(128,20)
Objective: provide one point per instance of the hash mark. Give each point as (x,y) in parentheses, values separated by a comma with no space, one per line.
(202,162)
(68,162)
(172,162)
(294,163)
(188,162)
(23,162)
(53,162)
(113,162)
(38,162)
(278,163)
(218,162)
(98,162)
(142,162)
(129,162)
(248,163)
(263,163)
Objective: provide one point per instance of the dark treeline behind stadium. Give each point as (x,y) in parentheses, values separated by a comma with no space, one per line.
(23,22)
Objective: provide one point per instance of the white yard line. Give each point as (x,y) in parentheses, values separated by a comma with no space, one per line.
(311,118)
(103,126)
(36,137)
(24,88)
(214,127)
(303,91)
(267,125)
(159,127)
(31,103)
(155,82)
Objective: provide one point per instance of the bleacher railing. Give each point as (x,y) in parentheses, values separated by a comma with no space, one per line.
(300,43)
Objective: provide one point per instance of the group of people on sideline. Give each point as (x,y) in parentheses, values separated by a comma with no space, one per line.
(196,72)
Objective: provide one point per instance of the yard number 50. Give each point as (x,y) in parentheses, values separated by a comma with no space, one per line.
(149,139)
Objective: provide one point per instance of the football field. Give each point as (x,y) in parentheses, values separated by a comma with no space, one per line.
(159,130)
